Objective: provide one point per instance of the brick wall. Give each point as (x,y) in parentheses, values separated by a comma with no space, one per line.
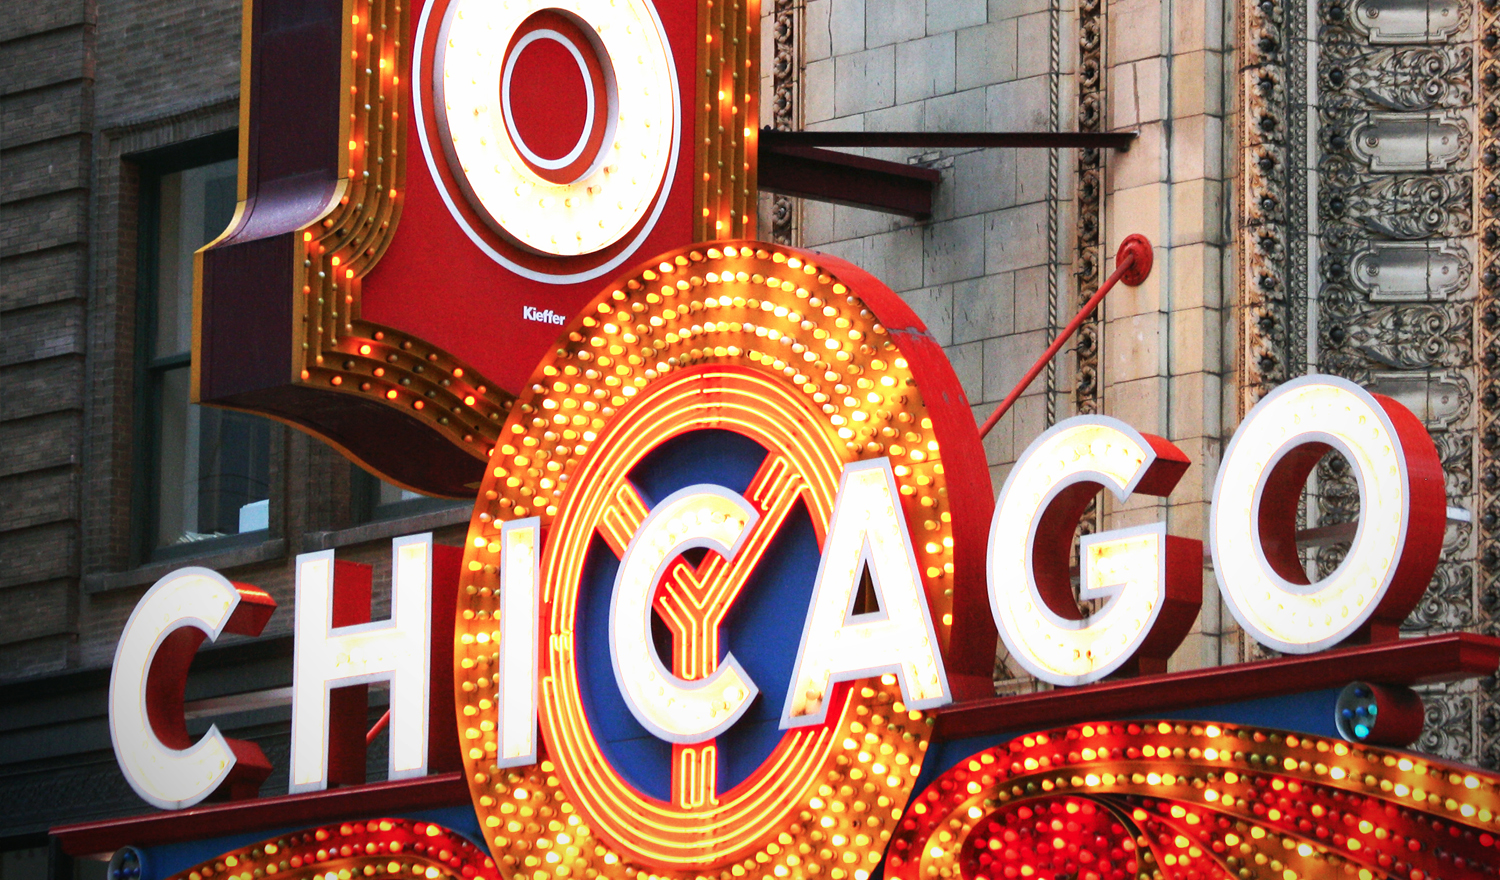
(160,58)
(85,88)
(46,86)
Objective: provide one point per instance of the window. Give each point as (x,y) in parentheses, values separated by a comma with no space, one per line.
(206,470)
(374,499)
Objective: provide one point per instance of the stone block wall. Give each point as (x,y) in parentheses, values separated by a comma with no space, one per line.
(977,271)
(994,272)
(1168,344)
(84,85)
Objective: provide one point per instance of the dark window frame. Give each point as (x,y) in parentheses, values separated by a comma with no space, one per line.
(152,167)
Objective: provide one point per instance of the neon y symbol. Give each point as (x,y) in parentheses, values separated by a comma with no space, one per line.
(698,698)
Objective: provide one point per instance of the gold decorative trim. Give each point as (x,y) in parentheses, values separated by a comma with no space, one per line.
(728,120)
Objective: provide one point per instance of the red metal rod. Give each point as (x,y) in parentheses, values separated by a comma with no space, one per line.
(379,726)
(1132,264)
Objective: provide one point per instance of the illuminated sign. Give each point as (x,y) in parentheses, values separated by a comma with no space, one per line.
(1198,800)
(545,187)
(1401,515)
(729,555)
(515,699)
(146,723)
(734,543)
(420,178)
(1152,581)
(705,667)
(332,655)
(868,537)
(1100,800)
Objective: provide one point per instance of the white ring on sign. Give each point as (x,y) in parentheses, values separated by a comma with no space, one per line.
(650,103)
(510,118)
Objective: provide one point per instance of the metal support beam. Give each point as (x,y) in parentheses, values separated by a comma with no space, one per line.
(792,163)
(828,176)
(940,140)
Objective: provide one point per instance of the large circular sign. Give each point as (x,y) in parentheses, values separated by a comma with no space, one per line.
(752,368)
(561,143)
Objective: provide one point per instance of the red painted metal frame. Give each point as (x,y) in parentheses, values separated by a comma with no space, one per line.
(1426,519)
(348,738)
(1448,657)
(293,810)
(1132,265)
(348,706)
(574,31)
(166,682)
(314,165)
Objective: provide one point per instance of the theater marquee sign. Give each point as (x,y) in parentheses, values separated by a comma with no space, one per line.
(735,576)
(731,559)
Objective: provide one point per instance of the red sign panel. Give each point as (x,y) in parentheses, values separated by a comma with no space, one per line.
(428,192)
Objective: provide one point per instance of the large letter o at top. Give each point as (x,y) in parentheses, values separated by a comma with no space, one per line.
(551,177)
(1254,517)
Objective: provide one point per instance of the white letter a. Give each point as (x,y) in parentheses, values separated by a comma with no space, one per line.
(868,530)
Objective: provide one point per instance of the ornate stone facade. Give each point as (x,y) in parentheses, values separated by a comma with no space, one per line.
(1087,388)
(784,86)
(1487,368)
(1394,140)
(1358,259)
(1266,267)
